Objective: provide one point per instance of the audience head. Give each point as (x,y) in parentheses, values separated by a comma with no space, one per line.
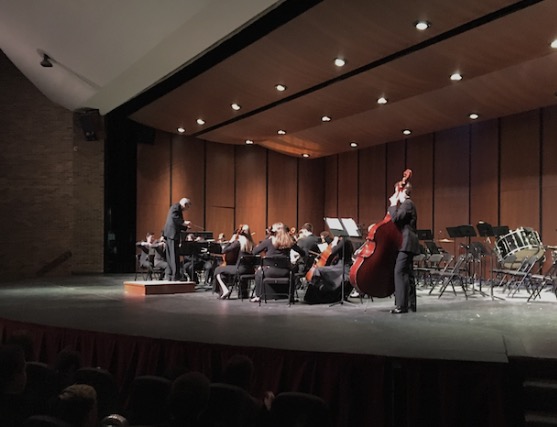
(67,362)
(12,369)
(114,420)
(188,396)
(77,405)
(239,371)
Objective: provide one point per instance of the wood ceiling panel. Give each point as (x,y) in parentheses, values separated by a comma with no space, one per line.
(498,55)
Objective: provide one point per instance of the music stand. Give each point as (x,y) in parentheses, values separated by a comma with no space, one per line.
(501,230)
(424,234)
(193,249)
(342,227)
(485,229)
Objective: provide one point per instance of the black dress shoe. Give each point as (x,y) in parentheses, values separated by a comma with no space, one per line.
(399,310)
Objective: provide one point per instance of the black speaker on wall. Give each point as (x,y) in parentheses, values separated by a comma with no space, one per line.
(91,124)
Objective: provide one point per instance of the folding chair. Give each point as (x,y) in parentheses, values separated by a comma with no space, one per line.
(286,281)
(451,275)
(540,281)
(439,264)
(522,276)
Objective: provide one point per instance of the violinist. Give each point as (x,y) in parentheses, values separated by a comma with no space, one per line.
(240,244)
(403,213)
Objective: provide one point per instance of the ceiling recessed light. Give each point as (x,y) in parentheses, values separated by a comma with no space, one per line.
(382,100)
(305,155)
(249,142)
(235,106)
(280,88)
(456,77)
(353,144)
(181,130)
(422,25)
(473,116)
(326,119)
(554,44)
(281,132)
(200,122)
(339,62)
(406,131)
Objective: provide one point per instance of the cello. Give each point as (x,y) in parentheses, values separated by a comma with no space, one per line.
(321,259)
(372,272)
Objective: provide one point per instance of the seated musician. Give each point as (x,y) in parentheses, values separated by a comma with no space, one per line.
(150,248)
(278,243)
(309,242)
(327,281)
(241,243)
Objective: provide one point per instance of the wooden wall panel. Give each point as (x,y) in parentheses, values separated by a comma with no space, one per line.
(419,158)
(452,178)
(484,173)
(251,189)
(520,170)
(153,186)
(548,229)
(188,178)
(282,189)
(331,186)
(396,164)
(219,193)
(372,194)
(348,184)
(311,193)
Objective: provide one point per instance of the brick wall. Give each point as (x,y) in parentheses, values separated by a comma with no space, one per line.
(51,208)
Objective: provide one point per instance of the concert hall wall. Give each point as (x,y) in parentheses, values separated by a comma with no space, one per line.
(498,171)
(52,186)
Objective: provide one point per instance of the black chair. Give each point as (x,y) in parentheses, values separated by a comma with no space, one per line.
(277,283)
(250,262)
(105,385)
(299,409)
(146,402)
(229,406)
(42,385)
(147,273)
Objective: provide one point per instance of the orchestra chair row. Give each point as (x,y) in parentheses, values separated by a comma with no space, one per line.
(512,275)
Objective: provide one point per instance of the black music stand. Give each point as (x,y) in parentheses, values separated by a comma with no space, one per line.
(485,229)
(424,234)
(342,227)
(501,230)
(192,249)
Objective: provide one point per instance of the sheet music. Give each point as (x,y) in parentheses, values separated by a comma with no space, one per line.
(334,224)
(351,227)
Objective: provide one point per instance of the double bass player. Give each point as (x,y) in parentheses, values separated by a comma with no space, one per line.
(403,213)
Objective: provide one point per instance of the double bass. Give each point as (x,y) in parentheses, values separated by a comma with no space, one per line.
(372,272)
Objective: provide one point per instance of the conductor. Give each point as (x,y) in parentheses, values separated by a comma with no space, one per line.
(175,223)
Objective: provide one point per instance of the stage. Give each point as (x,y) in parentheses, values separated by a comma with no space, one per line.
(451,327)
(371,366)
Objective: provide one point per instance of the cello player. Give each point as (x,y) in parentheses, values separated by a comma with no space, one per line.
(404,215)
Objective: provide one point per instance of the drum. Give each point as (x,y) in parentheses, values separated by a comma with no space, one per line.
(522,243)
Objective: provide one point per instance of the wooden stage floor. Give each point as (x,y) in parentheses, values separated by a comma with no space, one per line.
(449,328)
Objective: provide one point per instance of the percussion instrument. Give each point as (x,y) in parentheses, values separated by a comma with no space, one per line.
(522,243)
